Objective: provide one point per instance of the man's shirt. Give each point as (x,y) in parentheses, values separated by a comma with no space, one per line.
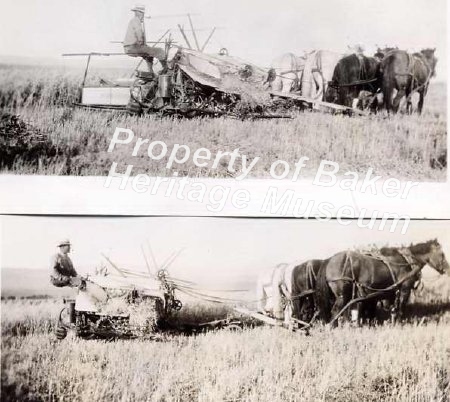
(61,265)
(135,33)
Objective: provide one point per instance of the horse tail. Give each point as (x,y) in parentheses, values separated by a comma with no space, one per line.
(387,88)
(387,76)
(323,294)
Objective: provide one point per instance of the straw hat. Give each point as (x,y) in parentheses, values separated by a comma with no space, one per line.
(65,242)
(140,8)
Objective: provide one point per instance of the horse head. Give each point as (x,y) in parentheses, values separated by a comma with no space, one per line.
(430,58)
(433,254)
(382,52)
(379,55)
(438,260)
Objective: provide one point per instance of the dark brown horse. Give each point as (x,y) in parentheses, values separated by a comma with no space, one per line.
(407,73)
(381,52)
(353,74)
(351,275)
(304,278)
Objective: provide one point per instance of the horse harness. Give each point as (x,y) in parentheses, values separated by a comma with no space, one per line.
(311,280)
(360,81)
(410,260)
(411,72)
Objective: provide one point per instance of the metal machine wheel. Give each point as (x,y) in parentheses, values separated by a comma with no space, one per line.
(60,332)
(64,323)
(177,305)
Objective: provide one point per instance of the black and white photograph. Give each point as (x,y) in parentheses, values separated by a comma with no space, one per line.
(224,201)
(223,309)
(198,85)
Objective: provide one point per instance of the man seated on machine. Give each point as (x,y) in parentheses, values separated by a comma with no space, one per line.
(135,44)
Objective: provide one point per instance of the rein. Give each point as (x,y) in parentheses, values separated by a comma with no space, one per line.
(374,295)
(352,84)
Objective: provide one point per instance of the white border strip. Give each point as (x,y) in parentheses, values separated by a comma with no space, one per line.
(54,195)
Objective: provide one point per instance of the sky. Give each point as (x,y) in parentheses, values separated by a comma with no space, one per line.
(212,248)
(256,30)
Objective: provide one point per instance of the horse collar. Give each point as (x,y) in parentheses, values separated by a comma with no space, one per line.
(410,258)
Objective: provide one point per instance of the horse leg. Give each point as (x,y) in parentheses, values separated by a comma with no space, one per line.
(373,104)
(396,103)
(343,97)
(405,292)
(356,314)
(320,87)
(337,307)
(384,309)
(422,94)
(408,106)
(408,101)
(261,297)
(288,314)
(297,305)
(387,90)
(391,304)
(370,310)
(308,309)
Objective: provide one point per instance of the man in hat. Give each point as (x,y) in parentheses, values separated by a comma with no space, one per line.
(135,44)
(62,271)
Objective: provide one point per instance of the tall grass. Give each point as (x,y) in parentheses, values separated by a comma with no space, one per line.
(407,147)
(405,362)
(391,363)
(29,317)
(38,87)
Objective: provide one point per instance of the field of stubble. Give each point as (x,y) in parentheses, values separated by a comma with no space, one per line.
(54,138)
(407,362)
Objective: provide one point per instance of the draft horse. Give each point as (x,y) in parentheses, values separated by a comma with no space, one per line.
(353,74)
(288,290)
(407,73)
(390,275)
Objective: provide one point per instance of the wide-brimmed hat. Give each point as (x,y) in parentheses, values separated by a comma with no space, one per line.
(140,8)
(65,242)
